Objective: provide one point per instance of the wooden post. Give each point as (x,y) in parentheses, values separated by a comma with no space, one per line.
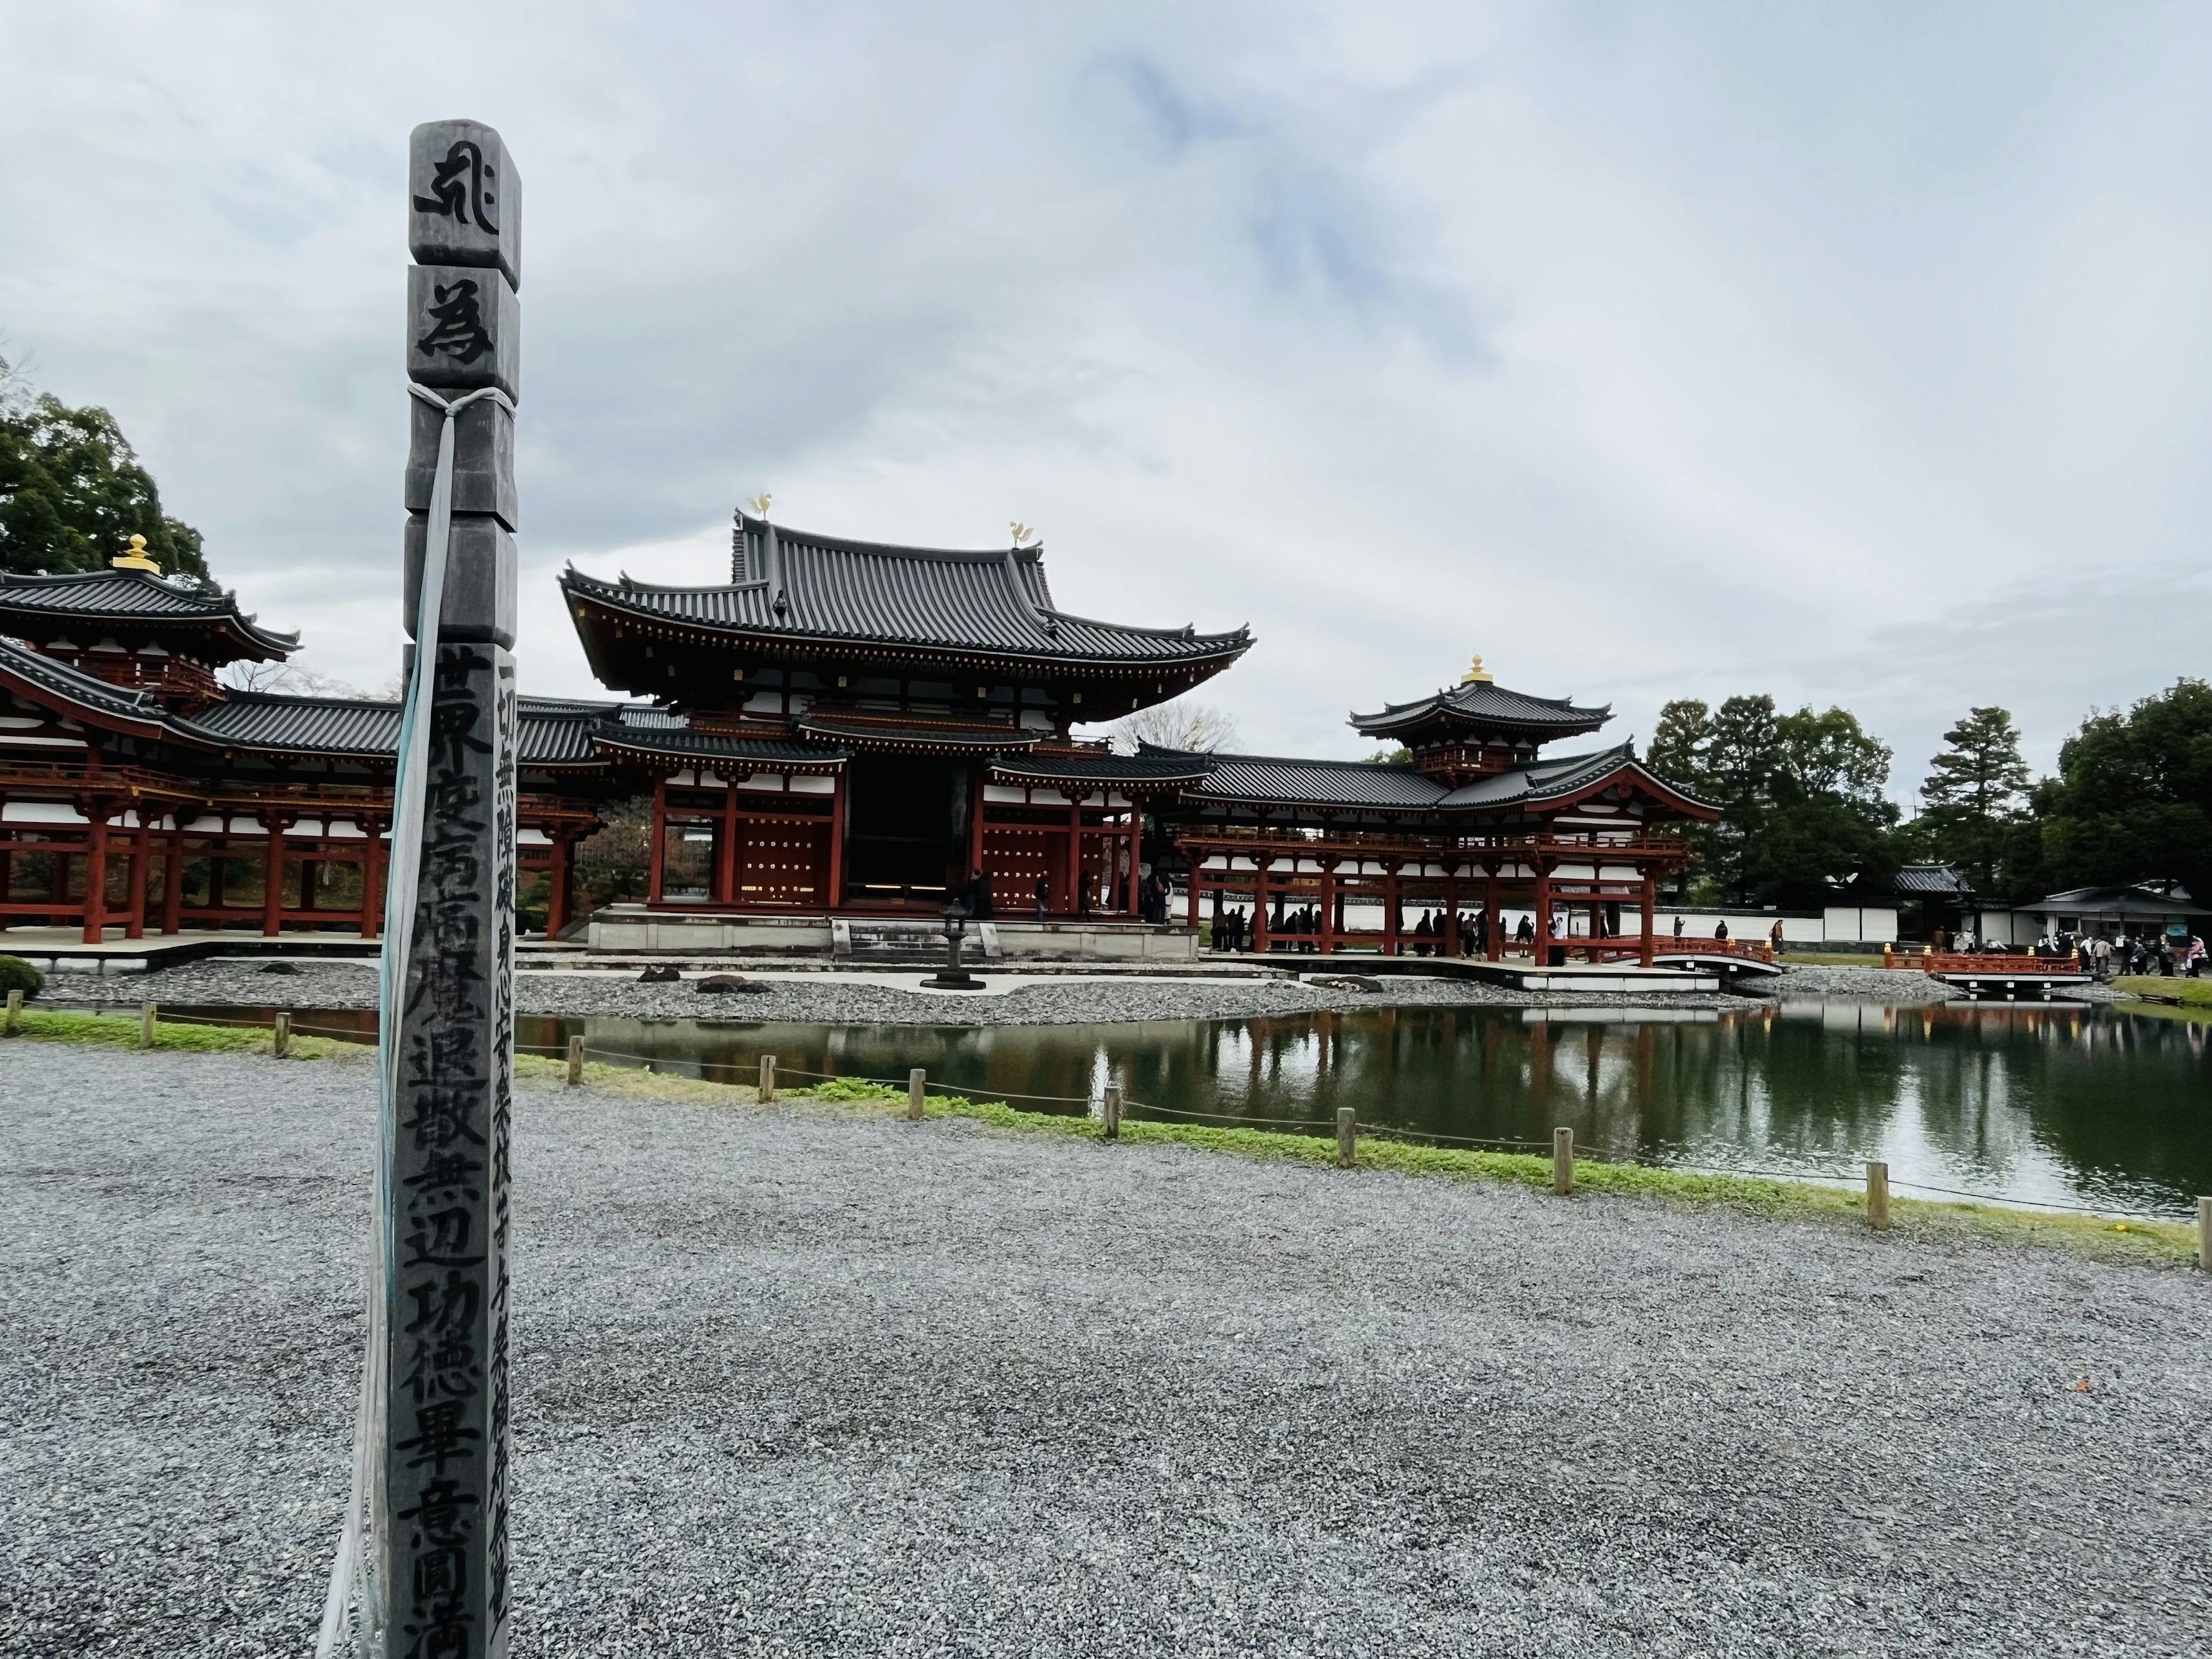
(1392,945)
(1651,917)
(14,1013)
(558,877)
(146,1011)
(575,1061)
(280,1040)
(1563,1161)
(1493,924)
(767,1080)
(1110,1113)
(1878,1197)
(2203,1212)
(917,1094)
(1347,1137)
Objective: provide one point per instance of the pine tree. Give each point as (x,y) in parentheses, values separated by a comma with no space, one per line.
(1976,795)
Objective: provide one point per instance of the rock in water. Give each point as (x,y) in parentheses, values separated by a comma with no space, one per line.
(280,968)
(659,976)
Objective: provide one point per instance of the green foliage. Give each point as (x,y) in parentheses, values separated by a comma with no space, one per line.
(17,974)
(1975,806)
(1800,797)
(2133,797)
(72,493)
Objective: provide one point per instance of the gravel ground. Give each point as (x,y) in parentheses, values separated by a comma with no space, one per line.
(1042,1000)
(793,1382)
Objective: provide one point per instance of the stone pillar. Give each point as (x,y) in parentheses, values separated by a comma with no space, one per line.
(448,1454)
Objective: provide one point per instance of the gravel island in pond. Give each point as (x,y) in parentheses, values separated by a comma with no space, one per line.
(802,1380)
(884,998)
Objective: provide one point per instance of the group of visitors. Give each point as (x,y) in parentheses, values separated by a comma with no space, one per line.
(2171,955)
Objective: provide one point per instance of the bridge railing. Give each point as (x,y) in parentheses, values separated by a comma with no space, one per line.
(2017,964)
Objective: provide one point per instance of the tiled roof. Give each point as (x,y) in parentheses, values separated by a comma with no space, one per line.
(1939,880)
(115,596)
(1156,768)
(73,685)
(799,585)
(302,726)
(1269,779)
(1547,780)
(680,741)
(916,734)
(1482,702)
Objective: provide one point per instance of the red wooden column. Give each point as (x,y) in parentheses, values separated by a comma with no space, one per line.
(272,876)
(975,822)
(1075,855)
(837,840)
(95,870)
(1651,915)
(142,857)
(1543,913)
(725,852)
(1493,923)
(172,879)
(1196,858)
(1451,899)
(559,874)
(660,839)
(1393,946)
(1325,934)
(1260,865)
(372,862)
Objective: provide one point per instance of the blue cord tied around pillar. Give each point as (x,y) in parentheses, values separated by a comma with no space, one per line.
(353,1609)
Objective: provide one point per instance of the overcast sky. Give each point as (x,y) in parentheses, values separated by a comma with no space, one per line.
(1856,353)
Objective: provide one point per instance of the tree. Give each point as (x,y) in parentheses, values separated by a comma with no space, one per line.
(2133,797)
(292,680)
(1800,795)
(614,861)
(1976,797)
(1177,724)
(72,493)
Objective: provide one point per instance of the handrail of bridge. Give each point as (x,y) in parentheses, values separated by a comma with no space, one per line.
(1236,838)
(1995,963)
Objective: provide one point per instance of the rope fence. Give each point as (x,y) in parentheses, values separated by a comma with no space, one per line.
(1875,1177)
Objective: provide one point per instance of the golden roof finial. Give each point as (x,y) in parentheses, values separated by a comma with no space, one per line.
(136,559)
(1021,532)
(1478,675)
(761,503)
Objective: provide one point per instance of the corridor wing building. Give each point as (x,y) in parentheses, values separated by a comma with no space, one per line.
(843,728)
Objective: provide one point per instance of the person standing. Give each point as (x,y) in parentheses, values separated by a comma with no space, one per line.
(1720,930)
(1043,895)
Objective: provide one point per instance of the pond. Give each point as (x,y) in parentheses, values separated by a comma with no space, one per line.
(2062,1103)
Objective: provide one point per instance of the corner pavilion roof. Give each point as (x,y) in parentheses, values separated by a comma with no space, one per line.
(83,601)
(803,588)
(549,732)
(1485,704)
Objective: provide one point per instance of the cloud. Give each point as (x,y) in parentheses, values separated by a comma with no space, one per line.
(1857,356)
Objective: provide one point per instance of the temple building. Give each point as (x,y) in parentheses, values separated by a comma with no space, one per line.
(1475,816)
(841,729)
(864,728)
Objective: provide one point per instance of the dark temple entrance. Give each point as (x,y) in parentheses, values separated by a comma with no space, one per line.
(907,821)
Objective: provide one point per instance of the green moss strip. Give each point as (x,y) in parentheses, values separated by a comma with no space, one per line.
(2165,1243)
(121,1031)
